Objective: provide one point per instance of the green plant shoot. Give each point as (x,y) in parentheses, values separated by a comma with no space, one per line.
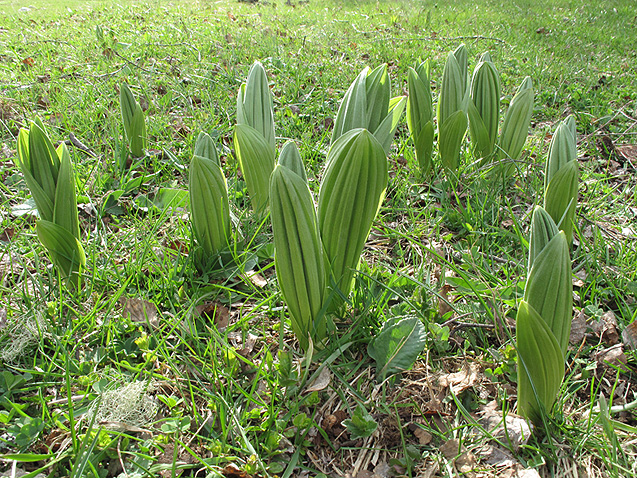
(49,175)
(134,122)
(484,107)
(420,114)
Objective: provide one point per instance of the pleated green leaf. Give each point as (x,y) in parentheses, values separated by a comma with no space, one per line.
(134,122)
(291,159)
(209,207)
(65,250)
(387,128)
(560,197)
(543,229)
(353,186)
(255,104)
(485,97)
(462,57)
(366,104)
(562,150)
(424,148)
(419,102)
(205,147)
(256,158)
(299,262)
(65,202)
(452,91)
(549,288)
(352,112)
(450,139)
(517,120)
(540,364)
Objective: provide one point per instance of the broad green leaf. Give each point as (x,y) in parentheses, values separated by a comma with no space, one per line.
(299,262)
(543,229)
(419,103)
(549,288)
(397,346)
(257,110)
(562,150)
(256,158)
(209,207)
(540,364)
(65,250)
(385,131)
(205,148)
(450,140)
(377,87)
(65,205)
(517,120)
(424,144)
(560,197)
(361,425)
(479,134)
(133,120)
(352,189)
(291,159)
(462,56)
(452,91)
(352,113)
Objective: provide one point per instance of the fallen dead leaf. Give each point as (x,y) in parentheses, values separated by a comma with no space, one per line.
(462,380)
(496,456)
(424,437)
(528,473)
(233,471)
(607,328)
(451,449)
(513,429)
(628,151)
(466,462)
(28,62)
(629,336)
(215,312)
(246,346)
(444,306)
(141,311)
(7,234)
(579,328)
(322,381)
(3,318)
(613,356)
(257,279)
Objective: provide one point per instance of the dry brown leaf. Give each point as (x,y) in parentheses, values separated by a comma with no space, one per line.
(496,456)
(513,430)
(257,279)
(215,312)
(141,311)
(628,151)
(3,318)
(579,328)
(613,356)
(609,333)
(247,346)
(629,336)
(451,449)
(462,380)
(528,473)
(321,382)
(7,234)
(444,303)
(466,462)
(424,437)
(233,471)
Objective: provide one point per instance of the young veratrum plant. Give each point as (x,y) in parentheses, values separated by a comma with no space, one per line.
(517,120)
(452,109)
(367,104)
(351,192)
(420,114)
(209,207)
(299,261)
(49,175)
(561,177)
(254,139)
(133,119)
(543,321)
(484,107)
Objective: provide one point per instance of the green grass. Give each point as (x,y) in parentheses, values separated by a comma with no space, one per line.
(237,396)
